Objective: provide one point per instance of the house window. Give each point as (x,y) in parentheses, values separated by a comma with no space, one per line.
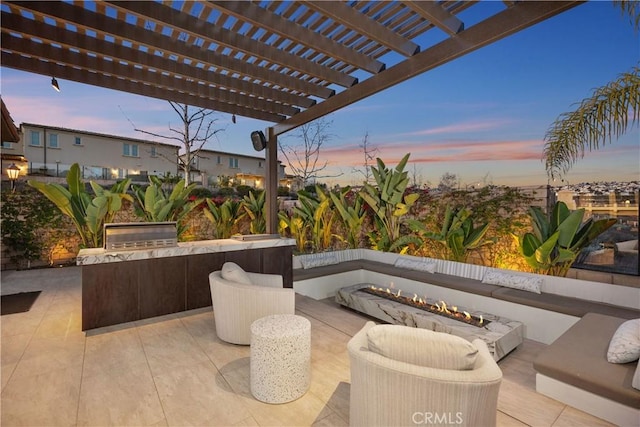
(219,160)
(259,164)
(153,152)
(6,144)
(233,162)
(35,138)
(53,140)
(77,141)
(130,150)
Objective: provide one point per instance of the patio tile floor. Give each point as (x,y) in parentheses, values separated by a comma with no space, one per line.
(174,371)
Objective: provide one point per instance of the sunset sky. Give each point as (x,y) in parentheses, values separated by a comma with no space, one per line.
(482,117)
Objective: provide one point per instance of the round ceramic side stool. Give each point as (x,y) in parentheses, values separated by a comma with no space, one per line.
(280,358)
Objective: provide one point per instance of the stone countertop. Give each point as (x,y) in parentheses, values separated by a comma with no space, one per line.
(101,256)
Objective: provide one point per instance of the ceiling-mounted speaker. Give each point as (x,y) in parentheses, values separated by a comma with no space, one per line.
(258,140)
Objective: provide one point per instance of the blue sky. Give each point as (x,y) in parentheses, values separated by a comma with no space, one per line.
(482,115)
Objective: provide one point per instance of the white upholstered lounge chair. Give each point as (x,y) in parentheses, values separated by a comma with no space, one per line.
(240,297)
(408,376)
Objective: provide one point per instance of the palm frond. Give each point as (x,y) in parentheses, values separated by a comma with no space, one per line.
(631,8)
(596,121)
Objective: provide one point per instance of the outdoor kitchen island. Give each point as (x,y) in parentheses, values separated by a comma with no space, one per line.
(126,285)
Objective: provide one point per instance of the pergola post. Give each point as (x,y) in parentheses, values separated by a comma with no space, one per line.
(271,182)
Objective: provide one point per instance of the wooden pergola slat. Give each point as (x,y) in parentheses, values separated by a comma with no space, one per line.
(110,81)
(69,39)
(437,15)
(232,39)
(105,25)
(256,15)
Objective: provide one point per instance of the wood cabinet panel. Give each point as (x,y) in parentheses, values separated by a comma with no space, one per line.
(162,286)
(198,269)
(279,261)
(249,260)
(109,294)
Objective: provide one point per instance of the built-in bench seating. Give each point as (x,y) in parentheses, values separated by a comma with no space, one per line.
(574,369)
(552,302)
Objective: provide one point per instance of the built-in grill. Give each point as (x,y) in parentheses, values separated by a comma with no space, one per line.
(142,235)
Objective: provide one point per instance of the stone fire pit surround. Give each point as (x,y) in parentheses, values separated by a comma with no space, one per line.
(501,335)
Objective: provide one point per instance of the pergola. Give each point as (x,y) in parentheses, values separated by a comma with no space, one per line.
(287,63)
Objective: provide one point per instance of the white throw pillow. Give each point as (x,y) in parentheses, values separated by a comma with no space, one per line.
(515,281)
(234,273)
(422,347)
(318,260)
(625,343)
(416,264)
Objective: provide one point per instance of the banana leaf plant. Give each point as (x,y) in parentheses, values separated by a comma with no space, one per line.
(294,227)
(88,213)
(223,217)
(556,241)
(154,204)
(318,215)
(389,204)
(254,208)
(352,215)
(457,236)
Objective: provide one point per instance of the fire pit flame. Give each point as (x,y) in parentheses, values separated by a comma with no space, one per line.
(439,307)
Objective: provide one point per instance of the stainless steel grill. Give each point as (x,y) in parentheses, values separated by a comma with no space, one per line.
(143,235)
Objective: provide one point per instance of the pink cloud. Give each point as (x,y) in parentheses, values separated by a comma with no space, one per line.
(442,151)
(464,127)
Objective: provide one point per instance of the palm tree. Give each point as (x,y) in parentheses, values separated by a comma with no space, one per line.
(598,118)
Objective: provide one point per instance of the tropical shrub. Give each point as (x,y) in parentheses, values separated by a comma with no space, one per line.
(154,205)
(352,215)
(389,204)
(224,217)
(503,208)
(201,193)
(225,192)
(457,235)
(556,241)
(318,218)
(88,213)
(243,190)
(254,208)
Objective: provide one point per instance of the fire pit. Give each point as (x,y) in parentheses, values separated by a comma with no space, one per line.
(439,307)
(390,305)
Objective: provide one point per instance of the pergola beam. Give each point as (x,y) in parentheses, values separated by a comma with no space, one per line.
(503,24)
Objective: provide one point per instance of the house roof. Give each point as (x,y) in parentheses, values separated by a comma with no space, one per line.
(286,63)
(9,131)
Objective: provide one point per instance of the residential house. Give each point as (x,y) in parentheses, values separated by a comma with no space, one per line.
(218,168)
(12,153)
(50,151)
